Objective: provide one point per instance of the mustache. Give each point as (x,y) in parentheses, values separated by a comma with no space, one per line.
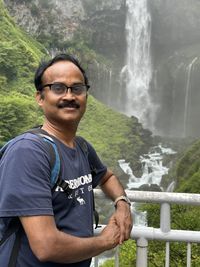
(68,104)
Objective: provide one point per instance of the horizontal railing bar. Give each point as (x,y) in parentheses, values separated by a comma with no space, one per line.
(151,233)
(158,197)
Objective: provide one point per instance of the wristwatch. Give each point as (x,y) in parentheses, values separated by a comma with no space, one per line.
(124,198)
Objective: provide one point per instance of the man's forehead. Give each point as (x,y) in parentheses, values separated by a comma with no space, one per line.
(61,68)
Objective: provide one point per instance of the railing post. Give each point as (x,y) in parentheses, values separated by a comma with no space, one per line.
(165,226)
(167,254)
(96,262)
(188,254)
(117,256)
(165,218)
(142,247)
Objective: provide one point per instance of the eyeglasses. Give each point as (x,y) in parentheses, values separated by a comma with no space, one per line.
(61,88)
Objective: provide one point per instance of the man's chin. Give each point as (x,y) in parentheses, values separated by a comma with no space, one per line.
(71,118)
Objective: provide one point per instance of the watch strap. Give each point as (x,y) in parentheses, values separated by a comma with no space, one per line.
(124,198)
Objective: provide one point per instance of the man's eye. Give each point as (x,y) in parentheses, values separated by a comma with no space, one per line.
(77,87)
(58,88)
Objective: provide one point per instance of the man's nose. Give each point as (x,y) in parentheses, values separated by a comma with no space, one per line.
(68,93)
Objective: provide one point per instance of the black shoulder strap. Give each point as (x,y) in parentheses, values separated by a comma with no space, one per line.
(16,247)
(14,227)
(83,144)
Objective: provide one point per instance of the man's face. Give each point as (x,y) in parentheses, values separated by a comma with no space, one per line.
(67,107)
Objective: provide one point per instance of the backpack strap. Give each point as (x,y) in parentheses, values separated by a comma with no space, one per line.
(83,144)
(16,247)
(14,227)
(55,159)
(55,162)
(3,148)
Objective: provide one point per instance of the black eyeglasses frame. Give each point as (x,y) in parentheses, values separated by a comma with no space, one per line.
(87,86)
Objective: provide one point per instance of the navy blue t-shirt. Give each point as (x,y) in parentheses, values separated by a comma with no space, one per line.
(26,191)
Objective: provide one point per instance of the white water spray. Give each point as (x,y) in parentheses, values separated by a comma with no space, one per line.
(152,173)
(152,168)
(137,73)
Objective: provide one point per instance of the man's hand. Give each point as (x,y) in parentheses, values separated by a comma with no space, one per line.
(112,188)
(111,234)
(124,220)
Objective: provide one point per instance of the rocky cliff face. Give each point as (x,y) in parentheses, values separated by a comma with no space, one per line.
(46,19)
(176,59)
(56,22)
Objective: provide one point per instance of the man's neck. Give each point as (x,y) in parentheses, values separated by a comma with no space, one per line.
(65,134)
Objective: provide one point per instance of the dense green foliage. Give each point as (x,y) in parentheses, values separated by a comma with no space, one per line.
(19,56)
(17,113)
(188,170)
(127,255)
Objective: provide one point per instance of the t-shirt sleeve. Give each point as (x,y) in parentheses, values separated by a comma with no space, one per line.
(96,165)
(25,180)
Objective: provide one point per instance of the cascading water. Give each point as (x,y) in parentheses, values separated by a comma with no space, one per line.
(152,168)
(152,173)
(187,96)
(137,72)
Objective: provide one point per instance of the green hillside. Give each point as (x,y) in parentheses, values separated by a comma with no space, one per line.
(19,55)
(187,170)
(113,135)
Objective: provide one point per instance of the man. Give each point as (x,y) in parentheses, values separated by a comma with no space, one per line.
(58,228)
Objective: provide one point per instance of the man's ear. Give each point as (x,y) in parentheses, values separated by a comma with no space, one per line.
(39,98)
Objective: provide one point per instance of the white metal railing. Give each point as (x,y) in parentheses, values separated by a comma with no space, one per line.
(143,234)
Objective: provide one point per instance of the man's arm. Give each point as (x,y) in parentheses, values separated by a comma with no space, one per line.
(112,187)
(50,244)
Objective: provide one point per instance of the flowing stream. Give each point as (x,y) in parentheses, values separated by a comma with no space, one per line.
(152,173)
(152,168)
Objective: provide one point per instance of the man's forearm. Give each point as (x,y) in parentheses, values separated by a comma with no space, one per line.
(73,249)
(50,244)
(112,187)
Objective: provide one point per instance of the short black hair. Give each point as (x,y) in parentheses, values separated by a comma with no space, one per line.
(46,64)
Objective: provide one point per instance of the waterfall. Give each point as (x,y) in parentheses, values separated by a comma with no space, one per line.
(137,72)
(187,97)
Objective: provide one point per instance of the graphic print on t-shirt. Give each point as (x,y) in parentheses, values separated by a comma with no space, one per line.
(79,186)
